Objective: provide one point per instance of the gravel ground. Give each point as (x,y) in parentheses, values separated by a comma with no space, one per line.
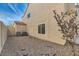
(29,46)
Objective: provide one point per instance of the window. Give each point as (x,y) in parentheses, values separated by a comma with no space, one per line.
(29,15)
(41,28)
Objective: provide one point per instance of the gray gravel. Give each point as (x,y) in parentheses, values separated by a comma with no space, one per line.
(29,46)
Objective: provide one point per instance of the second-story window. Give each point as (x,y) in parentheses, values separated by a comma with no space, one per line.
(29,15)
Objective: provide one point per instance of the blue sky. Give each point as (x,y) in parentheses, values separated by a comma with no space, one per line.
(10,12)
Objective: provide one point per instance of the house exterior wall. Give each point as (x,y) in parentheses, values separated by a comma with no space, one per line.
(3,35)
(43,14)
(69,6)
(11,30)
(19,28)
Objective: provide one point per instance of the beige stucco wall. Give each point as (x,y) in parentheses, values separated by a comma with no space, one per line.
(3,35)
(11,31)
(70,6)
(16,28)
(19,28)
(42,13)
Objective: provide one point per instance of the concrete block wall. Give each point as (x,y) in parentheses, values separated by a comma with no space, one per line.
(3,35)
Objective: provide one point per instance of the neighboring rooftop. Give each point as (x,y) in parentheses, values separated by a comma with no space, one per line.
(19,23)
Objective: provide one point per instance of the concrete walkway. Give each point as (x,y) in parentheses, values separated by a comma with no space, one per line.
(29,46)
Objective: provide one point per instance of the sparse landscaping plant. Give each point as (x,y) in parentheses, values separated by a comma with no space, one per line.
(68,26)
